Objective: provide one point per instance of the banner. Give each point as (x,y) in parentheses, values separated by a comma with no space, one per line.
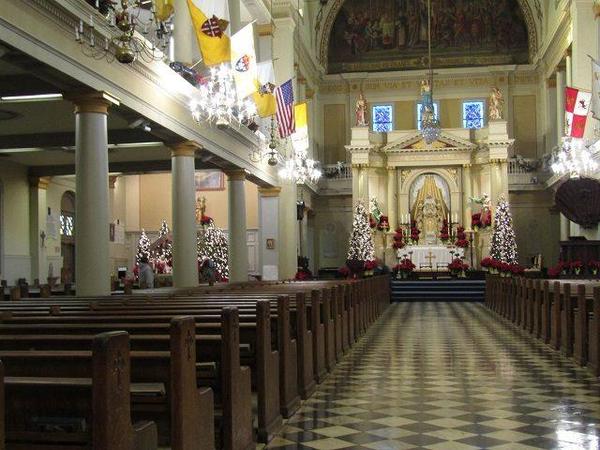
(265,86)
(300,137)
(243,61)
(577,106)
(211,30)
(164,9)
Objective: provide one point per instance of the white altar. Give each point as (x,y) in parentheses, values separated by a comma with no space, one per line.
(431,256)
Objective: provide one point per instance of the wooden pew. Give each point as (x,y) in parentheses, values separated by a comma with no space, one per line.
(102,398)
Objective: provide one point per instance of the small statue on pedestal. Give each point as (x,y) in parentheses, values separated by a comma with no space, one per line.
(496,104)
(361,111)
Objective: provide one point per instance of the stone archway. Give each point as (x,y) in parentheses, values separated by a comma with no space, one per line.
(331,10)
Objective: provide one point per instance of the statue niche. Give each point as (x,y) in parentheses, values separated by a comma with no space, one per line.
(429,210)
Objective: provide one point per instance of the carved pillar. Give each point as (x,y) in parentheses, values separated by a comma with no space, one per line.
(392,197)
(355,184)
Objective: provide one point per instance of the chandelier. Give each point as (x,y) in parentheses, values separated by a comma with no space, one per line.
(574,158)
(269,151)
(217,101)
(128,16)
(300,169)
(430,125)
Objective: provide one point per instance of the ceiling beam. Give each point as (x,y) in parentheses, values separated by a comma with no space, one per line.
(44,140)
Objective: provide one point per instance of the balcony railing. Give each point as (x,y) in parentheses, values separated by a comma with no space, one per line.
(526,172)
(339,171)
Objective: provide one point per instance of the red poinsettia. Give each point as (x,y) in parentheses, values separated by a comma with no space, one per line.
(462,243)
(457,265)
(406,265)
(384,224)
(487,262)
(398,239)
(205,220)
(344,271)
(372,222)
(370,265)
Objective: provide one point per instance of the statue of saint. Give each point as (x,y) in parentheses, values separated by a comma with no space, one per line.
(361,111)
(426,93)
(496,104)
(429,210)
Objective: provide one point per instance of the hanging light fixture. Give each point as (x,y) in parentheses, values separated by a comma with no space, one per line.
(574,158)
(430,125)
(217,100)
(300,169)
(128,17)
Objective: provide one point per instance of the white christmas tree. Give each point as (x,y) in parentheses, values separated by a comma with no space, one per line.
(361,246)
(163,252)
(212,245)
(164,229)
(143,247)
(503,246)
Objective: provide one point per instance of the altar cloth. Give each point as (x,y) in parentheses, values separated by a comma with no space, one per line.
(441,255)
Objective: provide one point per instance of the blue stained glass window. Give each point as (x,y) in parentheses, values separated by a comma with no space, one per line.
(436,111)
(382,118)
(473,114)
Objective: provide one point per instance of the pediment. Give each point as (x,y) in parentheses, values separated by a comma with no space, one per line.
(415,142)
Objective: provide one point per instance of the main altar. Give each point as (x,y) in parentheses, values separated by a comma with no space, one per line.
(429,186)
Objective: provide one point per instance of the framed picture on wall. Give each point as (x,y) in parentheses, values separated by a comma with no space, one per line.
(270,244)
(209,180)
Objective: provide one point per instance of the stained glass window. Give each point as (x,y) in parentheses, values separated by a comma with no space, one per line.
(473,114)
(382,118)
(67,224)
(436,111)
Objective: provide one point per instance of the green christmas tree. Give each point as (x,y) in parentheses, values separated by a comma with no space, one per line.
(504,245)
(212,246)
(143,247)
(361,246)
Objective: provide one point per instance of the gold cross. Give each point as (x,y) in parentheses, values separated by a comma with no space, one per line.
(430,257)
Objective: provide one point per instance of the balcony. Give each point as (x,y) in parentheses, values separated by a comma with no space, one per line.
(526,174)
(336,179)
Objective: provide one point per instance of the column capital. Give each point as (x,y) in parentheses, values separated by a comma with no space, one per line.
(391,168)
(467,166)
(269,192)
(40,182)
(92,101)
(184,148)
(265,29)
(236,174)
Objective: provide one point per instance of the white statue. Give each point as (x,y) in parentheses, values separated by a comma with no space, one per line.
(496,104)
(361,111)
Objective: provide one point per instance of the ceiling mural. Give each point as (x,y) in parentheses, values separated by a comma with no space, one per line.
(378,35)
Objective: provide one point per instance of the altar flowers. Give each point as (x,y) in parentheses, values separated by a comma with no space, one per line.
(404,269)
(458,268)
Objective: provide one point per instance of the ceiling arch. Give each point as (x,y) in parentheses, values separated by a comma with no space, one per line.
(332,10)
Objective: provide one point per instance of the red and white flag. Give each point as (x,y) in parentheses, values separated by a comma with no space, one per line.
(577,106)
(284,95)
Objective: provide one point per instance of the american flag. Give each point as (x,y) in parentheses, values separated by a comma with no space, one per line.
(285,109)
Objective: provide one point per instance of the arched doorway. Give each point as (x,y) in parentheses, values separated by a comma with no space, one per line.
(67,236)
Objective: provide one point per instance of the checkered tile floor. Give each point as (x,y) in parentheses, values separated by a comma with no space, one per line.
(448,376)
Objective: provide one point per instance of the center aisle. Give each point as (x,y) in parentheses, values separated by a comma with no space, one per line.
(448,376)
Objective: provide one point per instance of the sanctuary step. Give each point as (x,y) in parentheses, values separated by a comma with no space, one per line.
(438,290)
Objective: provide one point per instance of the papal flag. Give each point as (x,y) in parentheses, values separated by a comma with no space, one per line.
(164,9)
(577,106)
(243,61)
(595,90)
(300,137)
(263,96)
(211,19)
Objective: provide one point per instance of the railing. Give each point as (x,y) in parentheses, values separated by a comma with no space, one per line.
(339,171)
(526,172)
(522,165)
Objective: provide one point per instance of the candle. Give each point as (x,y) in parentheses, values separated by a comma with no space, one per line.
(409,218)
(77,33)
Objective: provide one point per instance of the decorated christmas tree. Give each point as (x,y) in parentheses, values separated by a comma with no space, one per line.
(361,246)
(143,247)
(164,229)
(212,246)
(163,251)
(503,246)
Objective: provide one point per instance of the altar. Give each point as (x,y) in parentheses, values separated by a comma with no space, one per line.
(430,256)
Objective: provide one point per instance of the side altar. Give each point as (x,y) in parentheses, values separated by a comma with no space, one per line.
(429,186)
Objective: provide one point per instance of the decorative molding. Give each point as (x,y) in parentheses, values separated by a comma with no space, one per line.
(269,192)
(185,148)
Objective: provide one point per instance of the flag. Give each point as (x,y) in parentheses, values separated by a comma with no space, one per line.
(300,137)
(164,9)
(243,61)
(577,106)
(213,40)
(285,108)
(265,86)
(595,104)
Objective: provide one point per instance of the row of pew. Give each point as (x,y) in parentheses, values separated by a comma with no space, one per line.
(194,369)
(565,315)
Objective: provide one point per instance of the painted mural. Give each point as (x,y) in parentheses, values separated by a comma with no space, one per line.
(375,35)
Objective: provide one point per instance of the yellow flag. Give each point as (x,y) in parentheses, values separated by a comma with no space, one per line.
(164,9)
(214,44)
(266,104)
(300,136)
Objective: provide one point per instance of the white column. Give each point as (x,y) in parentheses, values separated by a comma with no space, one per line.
(184,37)
(363,185)
(467,194)
(238,247)
(560,105)
(268,215)
(38,211)
(92,264)
(185,252)
(288,248)
(392,198)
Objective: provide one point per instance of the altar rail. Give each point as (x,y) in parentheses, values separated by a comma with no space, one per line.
(563,314)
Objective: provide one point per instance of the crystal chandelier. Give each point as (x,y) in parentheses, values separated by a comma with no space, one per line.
(574,158)
(430,125)
(217,101)
(300,169)
(128,16)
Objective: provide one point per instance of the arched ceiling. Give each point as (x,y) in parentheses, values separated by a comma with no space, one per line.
(379,35)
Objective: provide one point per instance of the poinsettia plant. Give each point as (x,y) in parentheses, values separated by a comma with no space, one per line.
(414,233)
(384,224)
(205,220)
(480,221)
(370,265)
(406,266)
(398,239)
(458,266)
(461,237)
(444,234)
